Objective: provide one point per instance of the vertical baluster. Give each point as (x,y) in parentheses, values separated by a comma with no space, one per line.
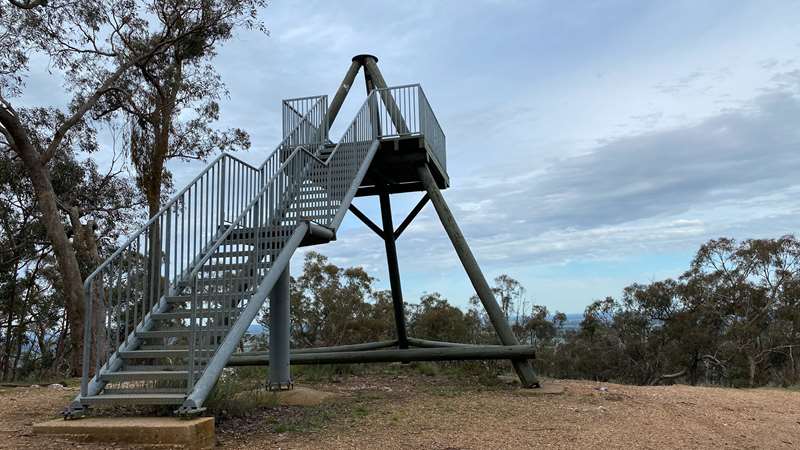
(195,236)
(121,303)
(97,321)
(146,273)
(128,286)
(112,312)
(159,258)
(167,246)
(192,336)
(221,184)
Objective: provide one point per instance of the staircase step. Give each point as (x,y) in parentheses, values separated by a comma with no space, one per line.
(175,332)
(225,281)
(233,253)
(163,347)
(179,315)
(266,234)
(173,299)
(160,367)
(221,267)
(154,391)
(135,375)
(134,399)
(153,354)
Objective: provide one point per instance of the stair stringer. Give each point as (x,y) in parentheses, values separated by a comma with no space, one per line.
(213,370)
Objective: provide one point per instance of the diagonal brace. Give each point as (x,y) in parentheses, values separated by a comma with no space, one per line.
(407,221)
(363,217)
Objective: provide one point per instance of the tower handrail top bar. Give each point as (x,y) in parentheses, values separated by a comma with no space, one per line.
(258,197)
(177,196)
(309,97)
(399,86)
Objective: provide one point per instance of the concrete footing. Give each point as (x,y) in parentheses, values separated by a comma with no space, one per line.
(156,431)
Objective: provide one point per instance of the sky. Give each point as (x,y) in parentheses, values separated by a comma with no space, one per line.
(590,144)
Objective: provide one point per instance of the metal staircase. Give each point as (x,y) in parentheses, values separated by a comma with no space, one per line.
(168,309)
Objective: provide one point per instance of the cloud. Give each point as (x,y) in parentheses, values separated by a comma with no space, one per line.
(733,173)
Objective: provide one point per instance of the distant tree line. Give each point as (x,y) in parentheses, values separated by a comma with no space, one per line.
(143,72)
(732,319)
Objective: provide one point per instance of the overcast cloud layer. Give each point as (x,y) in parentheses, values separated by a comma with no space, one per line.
(590,144)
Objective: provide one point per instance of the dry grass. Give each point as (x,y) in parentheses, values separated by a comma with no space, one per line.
(412,411)
(420,413)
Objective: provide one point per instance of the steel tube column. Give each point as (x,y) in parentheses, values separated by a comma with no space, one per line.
(374,74)
(394,355)
(394,269)
(341,93)
(521,366)
(279,323)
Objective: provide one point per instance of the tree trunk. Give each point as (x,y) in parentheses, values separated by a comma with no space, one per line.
(751,373)
(153,272)
(9,324)
(85,245)
(69,269)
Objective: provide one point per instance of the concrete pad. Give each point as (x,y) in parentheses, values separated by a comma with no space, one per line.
(157,431)
(299,396)
(544,389)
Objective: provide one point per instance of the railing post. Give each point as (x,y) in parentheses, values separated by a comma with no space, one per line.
(87,340)
(98,320)
(168,247)
(192,337)
(222,193)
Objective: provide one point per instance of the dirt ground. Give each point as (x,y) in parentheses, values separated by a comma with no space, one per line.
(414,411)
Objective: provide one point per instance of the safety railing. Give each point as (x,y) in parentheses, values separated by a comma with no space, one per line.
(301,117)
(219,237)
(267,225)
(126,288)
(405,110)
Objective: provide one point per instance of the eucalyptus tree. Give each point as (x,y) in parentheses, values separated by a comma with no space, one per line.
(95,45)
(171,99)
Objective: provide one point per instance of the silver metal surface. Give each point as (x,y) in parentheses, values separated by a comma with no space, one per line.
(181,291)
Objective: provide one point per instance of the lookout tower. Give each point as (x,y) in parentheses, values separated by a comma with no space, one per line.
(178,296)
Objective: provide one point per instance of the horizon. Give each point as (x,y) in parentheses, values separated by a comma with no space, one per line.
(588,148)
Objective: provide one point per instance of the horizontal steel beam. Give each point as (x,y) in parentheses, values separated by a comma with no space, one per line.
(379,356)
(425,343)
(332,349)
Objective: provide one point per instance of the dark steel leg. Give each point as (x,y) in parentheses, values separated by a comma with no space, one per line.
(375,76)
(394,269)
(279,373)
(521,366)
(341,93)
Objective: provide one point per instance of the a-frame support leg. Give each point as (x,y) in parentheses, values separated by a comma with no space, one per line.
(522,366)
(279,325)
(394,269)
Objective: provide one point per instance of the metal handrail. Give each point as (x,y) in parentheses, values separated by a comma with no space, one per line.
(149,265)
(222,236)
(410,103)
(269,217)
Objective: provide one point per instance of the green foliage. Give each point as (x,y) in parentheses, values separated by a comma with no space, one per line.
(434,318)
(335,306)
(733,318)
